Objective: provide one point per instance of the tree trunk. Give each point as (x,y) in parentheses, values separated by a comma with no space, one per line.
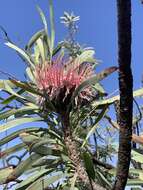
(74,155)
(126,94)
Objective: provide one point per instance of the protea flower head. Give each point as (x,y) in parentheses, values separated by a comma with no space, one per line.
(60,78)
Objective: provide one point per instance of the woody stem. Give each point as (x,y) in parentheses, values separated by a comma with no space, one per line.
(74,155)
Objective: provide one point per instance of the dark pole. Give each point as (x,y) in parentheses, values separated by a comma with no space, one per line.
(126,93)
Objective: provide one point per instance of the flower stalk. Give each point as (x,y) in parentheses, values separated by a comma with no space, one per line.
(75,156)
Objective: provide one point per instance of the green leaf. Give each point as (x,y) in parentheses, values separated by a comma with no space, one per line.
(29,139)
(25,86)
(136,171)
(86,56)
(57,176)
(22,111)
(3,82)
(48,142)
(104,180)
(40,46)
(47,161)
(52,27)
(40,145)
(137,156)
(134,182)
(23,166)
(57,48)
(54,134)
(30,89)
(34,38)
(98,87)
(43,18)
(16,134)
(89,165)
(12,150)
(36,54)
(16,122)
(4,173)
(21,52)
(43,150)
(92,130)
(30,74)
(73,181)
(11,91)
(136,93)
(13,97)
(93,80)
(31,179)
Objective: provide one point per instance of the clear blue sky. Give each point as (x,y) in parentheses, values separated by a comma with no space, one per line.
(97,29)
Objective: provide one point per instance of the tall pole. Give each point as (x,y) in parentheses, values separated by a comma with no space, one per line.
(126,92)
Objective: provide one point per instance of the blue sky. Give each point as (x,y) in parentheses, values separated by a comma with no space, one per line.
(97,29)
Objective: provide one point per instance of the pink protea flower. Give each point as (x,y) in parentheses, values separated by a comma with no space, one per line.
(59,79)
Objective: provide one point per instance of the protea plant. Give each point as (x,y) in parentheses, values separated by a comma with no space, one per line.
(59,84)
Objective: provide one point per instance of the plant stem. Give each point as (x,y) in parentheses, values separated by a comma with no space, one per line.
(74,155)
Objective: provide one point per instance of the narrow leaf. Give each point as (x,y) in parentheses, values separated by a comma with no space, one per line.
(2,84)
(136,93)
(93,80)
(12,150)
(22,167)
(31,179)
(57,48)
(43,18)
(13,97)
(92,130)
(25,86)
(86,56)
(14,135)
(134,182)
(137,156)
(4,173)
(34,38)
(73,181)
(47,181)
(11,91)
(16,122)
(21,52)
(89,165)
(41,49)
(52,26)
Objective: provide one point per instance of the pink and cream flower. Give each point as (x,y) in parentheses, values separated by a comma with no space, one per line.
(59,79)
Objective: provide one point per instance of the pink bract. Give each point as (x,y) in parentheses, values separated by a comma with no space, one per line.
(52,78)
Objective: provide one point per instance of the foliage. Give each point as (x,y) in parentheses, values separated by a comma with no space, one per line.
(43,155)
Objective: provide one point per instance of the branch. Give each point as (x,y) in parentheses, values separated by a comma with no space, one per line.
(135,138)
(105,165)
